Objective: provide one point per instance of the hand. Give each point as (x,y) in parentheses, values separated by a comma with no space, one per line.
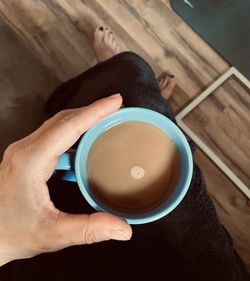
(29,222)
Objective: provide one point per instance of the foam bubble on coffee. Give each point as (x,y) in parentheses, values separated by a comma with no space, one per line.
(137,172)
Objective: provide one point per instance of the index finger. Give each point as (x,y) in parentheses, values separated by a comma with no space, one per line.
(65,128)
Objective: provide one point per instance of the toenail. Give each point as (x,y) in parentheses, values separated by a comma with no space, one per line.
(100,28)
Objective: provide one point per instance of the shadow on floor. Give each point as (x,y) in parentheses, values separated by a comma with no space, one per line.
(25,85)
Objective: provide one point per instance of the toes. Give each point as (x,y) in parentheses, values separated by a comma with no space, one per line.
(160,81)
(106,34)
(169,74)
(165,78)
(164,81)
(98,34)
(110,37)
(164,74)
(171,84)
(106,38)
(113,42)
(118,49)
(166,84)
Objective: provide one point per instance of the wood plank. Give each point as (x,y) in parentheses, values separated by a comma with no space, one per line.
(37,24)
(232,207)
(125,26)
(25,84)
(193,62)
(222,121)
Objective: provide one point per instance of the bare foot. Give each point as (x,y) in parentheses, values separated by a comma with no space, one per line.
(105,45)
(166,84)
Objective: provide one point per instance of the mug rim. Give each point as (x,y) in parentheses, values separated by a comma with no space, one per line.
(112,120)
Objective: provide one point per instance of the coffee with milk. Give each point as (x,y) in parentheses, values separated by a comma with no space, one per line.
(133,167)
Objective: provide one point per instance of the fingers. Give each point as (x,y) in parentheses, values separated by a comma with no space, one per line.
(60,132)
(72,230)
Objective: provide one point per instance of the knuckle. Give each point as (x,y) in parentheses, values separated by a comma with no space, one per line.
(89,237)
(46,122)
(10,154)
(14,155)
(65,116)
(78,132)
(10,150)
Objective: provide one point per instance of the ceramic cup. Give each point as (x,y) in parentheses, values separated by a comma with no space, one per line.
(72,165)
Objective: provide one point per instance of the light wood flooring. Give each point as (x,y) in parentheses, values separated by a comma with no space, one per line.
(59,33)
(222,121)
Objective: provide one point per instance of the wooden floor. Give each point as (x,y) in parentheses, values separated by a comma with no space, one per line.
(25,84)
(59,33)
(222,121)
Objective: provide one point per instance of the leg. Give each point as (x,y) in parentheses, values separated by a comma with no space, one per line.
(124,73)
(191,238)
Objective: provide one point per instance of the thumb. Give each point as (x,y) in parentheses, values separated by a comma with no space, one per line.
(72,229)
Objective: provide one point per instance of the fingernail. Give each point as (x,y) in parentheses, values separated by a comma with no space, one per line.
(100,28)
(119,235)
(115,96)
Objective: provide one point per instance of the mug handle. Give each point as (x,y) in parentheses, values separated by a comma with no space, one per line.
(65,166)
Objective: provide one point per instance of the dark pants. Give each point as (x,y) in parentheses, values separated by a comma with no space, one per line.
(188,244)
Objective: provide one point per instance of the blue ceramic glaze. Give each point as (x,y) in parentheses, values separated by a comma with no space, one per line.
(74,165)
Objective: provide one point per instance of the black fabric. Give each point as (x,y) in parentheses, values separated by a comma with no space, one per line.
(188,244)
(125,73)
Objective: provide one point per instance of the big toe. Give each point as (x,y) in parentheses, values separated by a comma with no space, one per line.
(99,34)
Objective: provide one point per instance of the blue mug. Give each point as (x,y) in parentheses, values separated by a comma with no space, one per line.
(71,164)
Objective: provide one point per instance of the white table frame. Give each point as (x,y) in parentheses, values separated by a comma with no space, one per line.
(202,145)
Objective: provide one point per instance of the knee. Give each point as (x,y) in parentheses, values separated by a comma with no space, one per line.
(134,64)
(133,58)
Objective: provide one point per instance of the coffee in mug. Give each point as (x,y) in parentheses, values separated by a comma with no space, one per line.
(133,167)
(134,163)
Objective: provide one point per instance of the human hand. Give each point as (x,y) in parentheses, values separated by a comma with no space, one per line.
(30,224)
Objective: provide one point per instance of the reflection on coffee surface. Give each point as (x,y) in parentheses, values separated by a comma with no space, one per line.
(133,167)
